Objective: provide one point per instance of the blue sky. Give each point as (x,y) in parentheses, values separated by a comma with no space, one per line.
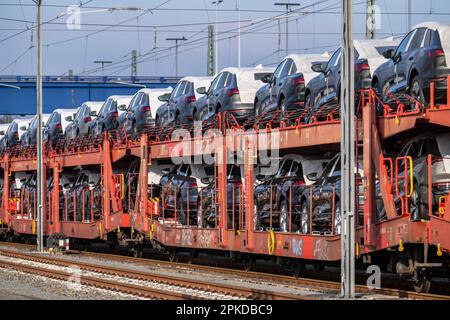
(66,49)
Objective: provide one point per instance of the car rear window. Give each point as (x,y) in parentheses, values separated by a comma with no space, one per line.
(382,49)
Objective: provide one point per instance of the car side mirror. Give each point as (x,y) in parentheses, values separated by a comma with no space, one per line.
(260,177)
(267,78)
(201,90)
(23,128)
(122,107)
(312,176)
(165,171)
(93,113)
(319,67)
(389,54)
(164,98)
(69,118)
(67,185)
(206,180)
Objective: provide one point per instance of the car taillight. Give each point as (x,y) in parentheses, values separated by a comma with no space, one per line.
(298,80)
(435,53)
(193,184)
(115,114)
(58,126)
(87,119)
(298,183)
(145,108)
(361,67)
(15,134)
(189,99)
(232,92)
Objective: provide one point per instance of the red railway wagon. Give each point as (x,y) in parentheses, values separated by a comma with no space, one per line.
(415,248)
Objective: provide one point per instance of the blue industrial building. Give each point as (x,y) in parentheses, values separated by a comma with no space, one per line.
(18,93)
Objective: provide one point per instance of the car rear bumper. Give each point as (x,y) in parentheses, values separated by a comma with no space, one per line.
(240,110)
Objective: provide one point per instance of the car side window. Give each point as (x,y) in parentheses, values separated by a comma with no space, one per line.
(229,80)
(279,69)
(293,68)
(402,47)
(214,83)
(426,39)
(144,101)
(296,170)
(135,101)
(417,40)
(284,169)
(287,67)
(223,80)
(334,59)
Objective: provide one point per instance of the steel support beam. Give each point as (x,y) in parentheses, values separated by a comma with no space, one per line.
(347,154)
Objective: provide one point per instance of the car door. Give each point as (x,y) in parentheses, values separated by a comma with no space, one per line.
(176,100)
(273,83)
(414,51)
(214,95)
(129,113)
(279,82)
(395,72)
(333,74)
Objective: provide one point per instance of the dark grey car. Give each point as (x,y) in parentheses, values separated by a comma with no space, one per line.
(30,136)
(180,106)
(325,88)
(56,125)
(81,122)
(286,86)
(418,59)
(108,116)
(232,90)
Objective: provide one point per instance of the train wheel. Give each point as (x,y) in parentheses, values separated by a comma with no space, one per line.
(422,284)
(173,257)
(298,269)
(248,261)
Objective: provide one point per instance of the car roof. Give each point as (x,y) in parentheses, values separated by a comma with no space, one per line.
(93,105)
(240,72)
(65,111)
(158,91)
(367,49)
(444,33)
(303,63)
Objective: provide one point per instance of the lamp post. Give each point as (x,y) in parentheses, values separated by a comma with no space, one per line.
(176,51)
(103,62)
(216,38)
(287,5)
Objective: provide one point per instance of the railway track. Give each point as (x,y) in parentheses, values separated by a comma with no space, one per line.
(332,286)
(189,284)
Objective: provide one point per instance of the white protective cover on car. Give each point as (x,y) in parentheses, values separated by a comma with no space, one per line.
(93,105)
(367,49)
(303,63)
(65,113)
(444,148)
(246,83)
(21,123)
(444,34)
(4,127)
(309,165)
(198,83)
(153,95)
(121,100)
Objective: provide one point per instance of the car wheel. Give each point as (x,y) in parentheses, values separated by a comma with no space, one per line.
(337,217)
(415,90)
(304,219)
(284,213)
(415,204)
(157,122)
(177,120)
(181,215)
(283,109)
(134,130)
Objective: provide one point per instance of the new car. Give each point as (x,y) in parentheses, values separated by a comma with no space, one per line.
(29,138)
(435,144)
(80,124)
(108,117)
(422,55)
(56,125)
(287,85)
(276,196)
(325,88)
(179,191)
(208,201)
(141,111)
(3,128)
(180,107)
(232,90)
(16,129)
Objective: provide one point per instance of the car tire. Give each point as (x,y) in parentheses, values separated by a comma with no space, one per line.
(415,204)
(177,120)
(284,216)
(181,215)
(283,109)
(415,90)
(304,219)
